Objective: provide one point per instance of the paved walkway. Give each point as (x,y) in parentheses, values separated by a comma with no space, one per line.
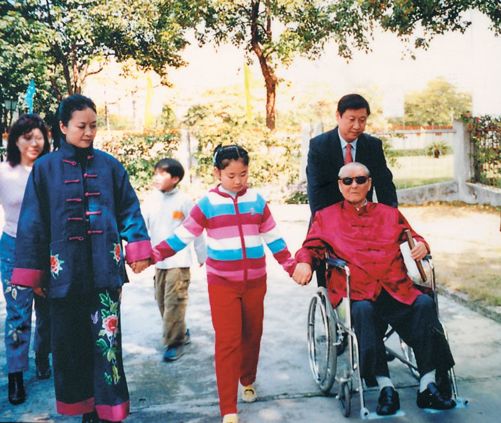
(184,391)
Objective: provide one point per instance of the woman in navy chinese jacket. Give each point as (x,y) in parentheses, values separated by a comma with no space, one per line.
(77,209)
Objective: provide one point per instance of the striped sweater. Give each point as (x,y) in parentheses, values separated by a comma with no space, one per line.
(236,227)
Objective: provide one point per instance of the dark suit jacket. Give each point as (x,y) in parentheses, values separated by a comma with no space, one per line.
(325,158)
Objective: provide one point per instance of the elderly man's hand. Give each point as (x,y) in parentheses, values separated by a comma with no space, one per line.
(419,251)
(302,273)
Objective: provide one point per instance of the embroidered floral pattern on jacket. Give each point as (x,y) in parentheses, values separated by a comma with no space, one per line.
(14,289)
(116,252)
(55,265)
(107,340)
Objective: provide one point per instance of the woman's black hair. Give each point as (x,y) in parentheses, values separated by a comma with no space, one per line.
(65,110)
(223,155)
(24,125)
(72,103)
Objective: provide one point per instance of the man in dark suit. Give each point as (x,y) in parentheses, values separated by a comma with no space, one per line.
(331,150)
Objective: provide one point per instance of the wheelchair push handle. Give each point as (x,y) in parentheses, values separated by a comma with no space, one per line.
(411,243)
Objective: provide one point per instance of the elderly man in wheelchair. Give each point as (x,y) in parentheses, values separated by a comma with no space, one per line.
(367,236)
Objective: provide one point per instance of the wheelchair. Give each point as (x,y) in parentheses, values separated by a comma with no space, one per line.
(333,346)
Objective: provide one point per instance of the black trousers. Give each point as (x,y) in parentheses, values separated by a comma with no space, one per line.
(87,355)
(417,324)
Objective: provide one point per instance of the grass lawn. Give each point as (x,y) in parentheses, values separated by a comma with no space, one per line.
(421,170)
(466,247)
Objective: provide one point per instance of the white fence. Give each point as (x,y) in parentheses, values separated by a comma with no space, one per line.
(419,138)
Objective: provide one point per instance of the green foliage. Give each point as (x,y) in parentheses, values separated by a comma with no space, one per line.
(139,153)
(389,152)
(167,119)
(113,121)
(411,152)
(274,155)
(437,149)
(297,197)
(438,104)
(276,31)
(22,60)
(485,136)
(414,21)
(418,182)
(60,43)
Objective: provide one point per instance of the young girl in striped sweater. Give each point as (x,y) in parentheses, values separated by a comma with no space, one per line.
(236,219)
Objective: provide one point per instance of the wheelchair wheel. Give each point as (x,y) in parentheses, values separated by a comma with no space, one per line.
(321,340)
(411,358)
(345,398)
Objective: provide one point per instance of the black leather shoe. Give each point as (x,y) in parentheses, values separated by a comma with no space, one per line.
(90,418)
(388,402)
(42,366)
(432,398)
(444,384)
(17,394)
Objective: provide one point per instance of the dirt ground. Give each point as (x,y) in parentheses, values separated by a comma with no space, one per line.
(466,247)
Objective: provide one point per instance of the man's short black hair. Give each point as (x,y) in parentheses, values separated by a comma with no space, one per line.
(171,166)
(352,101)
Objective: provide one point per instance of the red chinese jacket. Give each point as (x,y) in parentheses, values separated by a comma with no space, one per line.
(369,241)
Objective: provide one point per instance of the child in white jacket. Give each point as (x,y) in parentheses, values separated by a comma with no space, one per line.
(164,210)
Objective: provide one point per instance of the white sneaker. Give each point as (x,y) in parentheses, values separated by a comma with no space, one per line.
(249,393)
(230,418)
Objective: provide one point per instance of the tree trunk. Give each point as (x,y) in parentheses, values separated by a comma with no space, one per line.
(271,82)
(270,79)
(61,60)
(75,71)
(271,89)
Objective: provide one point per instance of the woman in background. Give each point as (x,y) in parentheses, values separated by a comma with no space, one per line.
(28,140)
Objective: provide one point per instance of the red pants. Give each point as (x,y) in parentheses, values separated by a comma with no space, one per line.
(237,318)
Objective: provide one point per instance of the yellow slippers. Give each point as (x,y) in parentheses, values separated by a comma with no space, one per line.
(230,418)
(249,393)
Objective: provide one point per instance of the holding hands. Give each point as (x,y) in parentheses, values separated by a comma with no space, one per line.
(140,265)
(302,273)
(40,291)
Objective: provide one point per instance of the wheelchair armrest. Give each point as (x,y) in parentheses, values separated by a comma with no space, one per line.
(335,262)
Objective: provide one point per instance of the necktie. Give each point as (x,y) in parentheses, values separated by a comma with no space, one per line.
(348,157)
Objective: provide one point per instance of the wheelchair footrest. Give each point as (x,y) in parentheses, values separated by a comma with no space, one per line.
(460,403)
(373,415)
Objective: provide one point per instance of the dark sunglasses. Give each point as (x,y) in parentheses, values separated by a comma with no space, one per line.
(358,179)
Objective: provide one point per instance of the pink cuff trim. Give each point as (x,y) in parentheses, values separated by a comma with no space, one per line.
(81,407)
(289,266)
(27,277)
(113,413)
(161,251)
(303,256)
(139,250)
